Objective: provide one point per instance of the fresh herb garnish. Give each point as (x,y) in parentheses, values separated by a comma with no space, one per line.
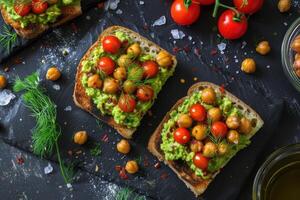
(128,194)
(135,73)
(8,37)
(46,134)
(96,150)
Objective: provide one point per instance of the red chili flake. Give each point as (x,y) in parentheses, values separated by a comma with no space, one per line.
(20,160)
(100,5)
(104,138)
(176,49)
(74,27)
(197,51)
(194,69)
(125,43)
(164,176)
(146,26)
(123,174)
(186,48)
(118,168)
(146,162)
(157,165)
(222,88)
(70,152)
(213,52)
(17,60)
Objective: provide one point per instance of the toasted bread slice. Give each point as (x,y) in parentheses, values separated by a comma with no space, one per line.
(80,97)
(34,30)
(197,184)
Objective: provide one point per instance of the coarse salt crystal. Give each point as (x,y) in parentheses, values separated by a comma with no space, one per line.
(48,169)
(56,87)
(119,12)
(113,4)
(142,2)
(160,21)
(177,34)
(221,47)
(6,96)
(68,108)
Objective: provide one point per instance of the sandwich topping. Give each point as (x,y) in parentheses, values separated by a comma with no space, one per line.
(123,75)
(205,132)
(28,12)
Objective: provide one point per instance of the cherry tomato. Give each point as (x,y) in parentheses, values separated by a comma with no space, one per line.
(145,93)
(107,65)
(183,15)
(219,129)
(230,28)
(182,135)
(22,9)
(111,44)
(248,6)
(127,103)
(204,2)
(198,112)
(39,6)
(200,161)
(150,69)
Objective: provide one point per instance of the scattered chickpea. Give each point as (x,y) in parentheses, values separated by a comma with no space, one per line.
(215,114)
(131,167)
(210,149)
(222,148)
(248,66)
(94,81)
(53,74)
(196,146)
(233,137)
(233,122)
(245,126)
(3,82)
(263,48)
(284,5)
(123,146)
(185,121)
(297,56)
(164,59)
(120,73)
(134,50)
(110,86)
(296,44)
(182,81)
(124,61)
(208,95)
(80,137)
(199,131)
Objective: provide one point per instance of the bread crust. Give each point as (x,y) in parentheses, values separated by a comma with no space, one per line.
(83,101)
(196,184)
(34,30)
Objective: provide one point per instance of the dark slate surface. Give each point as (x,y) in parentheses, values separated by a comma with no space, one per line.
(263,91)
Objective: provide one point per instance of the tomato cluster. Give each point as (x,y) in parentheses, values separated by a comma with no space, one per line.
(232,23)
(24,8)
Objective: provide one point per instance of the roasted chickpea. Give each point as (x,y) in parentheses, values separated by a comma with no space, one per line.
(263,48)
(134,50)
(196,146)
(131,167)
(53,74)
(120,73)
(233,137)
(3,82)
(94,81)
(129,87)
(123,146)
(245,126)
(185,121)
(210,149)
(297,56)
(164,59)
(296,64)
(110,86)
(80,137)
(297,71)
(248,66)
(296,44)
(233,122)
(215,114)
(222,148)
(208,95)
(124,61)
(199,131)
(284,5)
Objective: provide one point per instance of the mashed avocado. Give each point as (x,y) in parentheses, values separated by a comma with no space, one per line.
(50,16)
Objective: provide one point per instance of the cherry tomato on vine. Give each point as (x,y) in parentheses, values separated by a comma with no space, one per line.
(219,129)
(232,26)
(182,135)
(204,2)
(39,6)
(184,15)
(145,93)
(127,103)
(200,161)
(22,9)
(198,112)
(107,65)
(111,44)
(248,6)
(150,69)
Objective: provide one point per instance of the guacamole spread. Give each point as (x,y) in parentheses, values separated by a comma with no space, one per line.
(124,78)
(205,132)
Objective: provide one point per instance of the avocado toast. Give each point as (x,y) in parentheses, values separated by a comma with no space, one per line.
(202,132)
(32,18)
(120,76)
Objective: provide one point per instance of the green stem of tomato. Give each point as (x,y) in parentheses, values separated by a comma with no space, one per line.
(218,4)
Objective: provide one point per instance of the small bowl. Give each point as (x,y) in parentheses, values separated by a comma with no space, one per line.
(287,54)
(279,162)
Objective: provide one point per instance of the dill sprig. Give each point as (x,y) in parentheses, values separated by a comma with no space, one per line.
(96,150)
(46,132)
(7,38)
(135,73)
(127,194)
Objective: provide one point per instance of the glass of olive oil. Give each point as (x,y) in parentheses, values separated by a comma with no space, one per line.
(279,177)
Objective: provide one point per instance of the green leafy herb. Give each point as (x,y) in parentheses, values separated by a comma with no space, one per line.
(46,132)
(128,194)
(96,150)
(7,38)
(135,73)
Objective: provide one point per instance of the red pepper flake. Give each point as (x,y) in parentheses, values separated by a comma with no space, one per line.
(146,26)
(197,51)
(164,176)
(20,160)
(194,69)
(176,49)
(118,168)
(70,152)
(222,88)
(146,162)
(187,49)
(17,60)
(100,5)
(157,165)
(125,43)
(104,138)
(74,27)
(213,52)
(123,174)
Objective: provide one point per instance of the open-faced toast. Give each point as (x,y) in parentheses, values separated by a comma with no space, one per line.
(196,183)
(33,30)
(84,101)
